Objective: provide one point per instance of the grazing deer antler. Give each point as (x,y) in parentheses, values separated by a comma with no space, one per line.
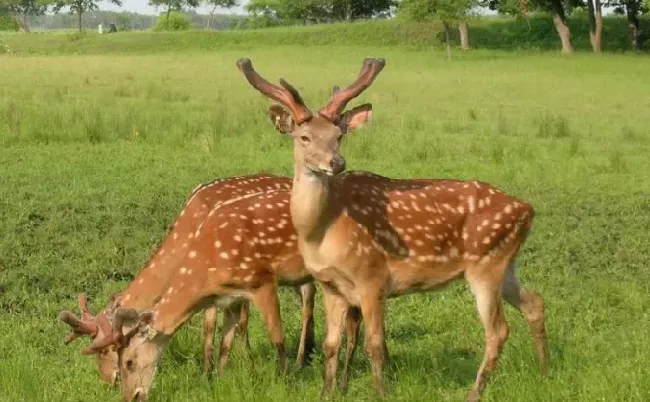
(367,238)
(85,325)
(287,95)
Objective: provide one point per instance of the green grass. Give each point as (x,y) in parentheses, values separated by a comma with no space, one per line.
(98,153)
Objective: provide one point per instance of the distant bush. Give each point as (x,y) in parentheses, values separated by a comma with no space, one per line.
(4,49)
(77,36)
(174,22)
(7,23)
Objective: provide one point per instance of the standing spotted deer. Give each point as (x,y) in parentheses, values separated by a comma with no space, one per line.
(150,282)
(366,238)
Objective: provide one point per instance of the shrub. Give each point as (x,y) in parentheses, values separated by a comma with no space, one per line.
(4,48)
(174,22)
(7,23)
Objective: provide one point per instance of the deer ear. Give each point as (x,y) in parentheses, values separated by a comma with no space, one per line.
(146,318)
(124,320)
(281,119)
(355,118)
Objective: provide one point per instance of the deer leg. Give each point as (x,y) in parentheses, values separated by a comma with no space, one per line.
(231,315)
(353,323)
(531,306)
(307,341)
(487,292)
(266,300)
(385,353)
(242,326)
(335,310)
(209,329)
(372,310)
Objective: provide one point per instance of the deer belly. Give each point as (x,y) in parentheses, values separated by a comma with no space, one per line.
(225,301)
(338,283)
(292,272)
(420,278)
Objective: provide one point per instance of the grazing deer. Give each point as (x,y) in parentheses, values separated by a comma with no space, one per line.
(153,278)
(244,248)
(366,238)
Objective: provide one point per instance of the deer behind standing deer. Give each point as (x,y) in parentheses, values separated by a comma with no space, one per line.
(147,286)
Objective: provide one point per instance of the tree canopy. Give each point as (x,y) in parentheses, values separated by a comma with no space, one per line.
(315,11)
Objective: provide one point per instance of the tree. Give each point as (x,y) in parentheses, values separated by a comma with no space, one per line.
(318,11)
(79,7)
(174,5)
(632,9)
(218,3)
(559,20)
(19,10)
(595,13)
(448,12)
(349,10)
(555,7)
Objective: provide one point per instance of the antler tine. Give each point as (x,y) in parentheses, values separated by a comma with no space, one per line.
(83,308)
(100,343)
(84,325)
(79,326)
(287,95)
(340,98)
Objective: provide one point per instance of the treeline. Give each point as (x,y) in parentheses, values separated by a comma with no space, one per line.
(454,16)
(124,21)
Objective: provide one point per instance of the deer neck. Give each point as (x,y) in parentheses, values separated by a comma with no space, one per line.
(174,309)
(314,203)
(145,288)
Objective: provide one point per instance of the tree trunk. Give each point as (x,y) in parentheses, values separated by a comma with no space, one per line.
(595,24)
(169,10)
(22,23)
(210,17)
(632,11)
(447,38)
(559,20)
(79,12)
(463,30)
(25,24)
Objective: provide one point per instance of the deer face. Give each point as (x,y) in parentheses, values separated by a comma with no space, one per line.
(138,362)
(317,142)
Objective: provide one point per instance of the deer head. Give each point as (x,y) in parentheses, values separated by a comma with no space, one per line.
(316,138)
(138,349)
(97,327)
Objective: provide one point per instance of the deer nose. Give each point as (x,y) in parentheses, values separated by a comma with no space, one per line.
(337,164)
(139,396)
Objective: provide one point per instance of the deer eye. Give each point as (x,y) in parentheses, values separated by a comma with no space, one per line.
(129,364)
(305,139)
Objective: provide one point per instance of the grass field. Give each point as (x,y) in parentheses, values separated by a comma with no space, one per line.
(99,152)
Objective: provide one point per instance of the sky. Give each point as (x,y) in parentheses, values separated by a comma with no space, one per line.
(143,7)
